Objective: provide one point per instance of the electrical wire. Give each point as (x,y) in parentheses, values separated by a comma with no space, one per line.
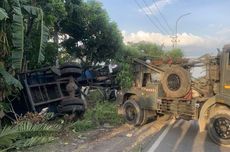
(150,19)
(162,15)
(158,21)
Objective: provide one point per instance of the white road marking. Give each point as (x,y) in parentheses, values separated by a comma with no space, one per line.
(161,137)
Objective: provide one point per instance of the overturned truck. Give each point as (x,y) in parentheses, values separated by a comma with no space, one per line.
(169,88)
(61,90)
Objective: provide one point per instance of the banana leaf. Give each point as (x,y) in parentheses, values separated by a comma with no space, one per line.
(9,79)
(17,28)
(44,32)
(43,40)
(3,14)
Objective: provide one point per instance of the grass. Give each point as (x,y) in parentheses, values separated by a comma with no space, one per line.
(98,115)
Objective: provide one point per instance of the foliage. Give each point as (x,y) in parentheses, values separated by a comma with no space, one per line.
(8,83)
(64,56)
(18,27)
(50,53)
(175,53)
(148,49)
(35,46)
(101,113)
(106,113)
(17,33)
(26,134)
(95,95)
(92,37)
(125,76)
(8,79)
(3,14)
(127,53)
(83,125)
(54,13)
(18,24)
(139,50)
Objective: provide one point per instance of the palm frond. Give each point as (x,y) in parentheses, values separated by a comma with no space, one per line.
(26,134)
(37,140)
(7,136)
(29,129)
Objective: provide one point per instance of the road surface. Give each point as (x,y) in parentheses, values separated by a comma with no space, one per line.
(182,136)
(162,135)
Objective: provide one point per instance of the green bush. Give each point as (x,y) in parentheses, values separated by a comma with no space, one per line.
(83,125)
(125,76)
(102,113)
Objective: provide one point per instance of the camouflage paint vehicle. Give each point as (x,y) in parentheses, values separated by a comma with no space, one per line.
(169,88)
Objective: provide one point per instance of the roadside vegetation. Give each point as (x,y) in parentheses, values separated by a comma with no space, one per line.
(26,134)
(103,114)
(100,113)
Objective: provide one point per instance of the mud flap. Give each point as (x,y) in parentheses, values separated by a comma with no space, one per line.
(203,116)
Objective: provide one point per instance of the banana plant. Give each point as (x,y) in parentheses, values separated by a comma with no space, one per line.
(17,16)
(18,22)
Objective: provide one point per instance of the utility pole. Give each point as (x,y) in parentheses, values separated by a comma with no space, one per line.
(175,37)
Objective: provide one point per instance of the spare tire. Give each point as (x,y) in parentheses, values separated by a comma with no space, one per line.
(176,82)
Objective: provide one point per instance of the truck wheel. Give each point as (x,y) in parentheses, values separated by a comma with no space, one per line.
(148,116)
(133,113)
(69,69)
(176,82)
(219,126)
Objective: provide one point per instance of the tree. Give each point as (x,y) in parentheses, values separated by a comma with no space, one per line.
(148,49)
(140,50)
(175,53)
(92,37)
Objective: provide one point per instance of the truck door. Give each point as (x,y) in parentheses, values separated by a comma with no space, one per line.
(225,71)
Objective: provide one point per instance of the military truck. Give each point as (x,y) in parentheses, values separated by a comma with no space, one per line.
(169,88)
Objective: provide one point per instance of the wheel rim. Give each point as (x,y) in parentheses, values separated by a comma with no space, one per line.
(131,113)
(222,127)
(173,82)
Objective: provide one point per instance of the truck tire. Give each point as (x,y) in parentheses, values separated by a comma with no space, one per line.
(219,126)
(69,69)
(72,106)
(148,116)
(176,82)
(133,113)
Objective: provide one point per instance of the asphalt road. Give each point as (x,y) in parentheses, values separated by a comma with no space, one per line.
(182,136)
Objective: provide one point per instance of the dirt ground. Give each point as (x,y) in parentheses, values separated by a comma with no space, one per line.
(124,138)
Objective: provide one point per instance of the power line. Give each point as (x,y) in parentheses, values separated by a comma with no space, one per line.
(161,14)
(150,19)
(158,21)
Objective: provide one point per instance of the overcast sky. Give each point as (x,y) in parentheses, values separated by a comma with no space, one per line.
(204,30)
